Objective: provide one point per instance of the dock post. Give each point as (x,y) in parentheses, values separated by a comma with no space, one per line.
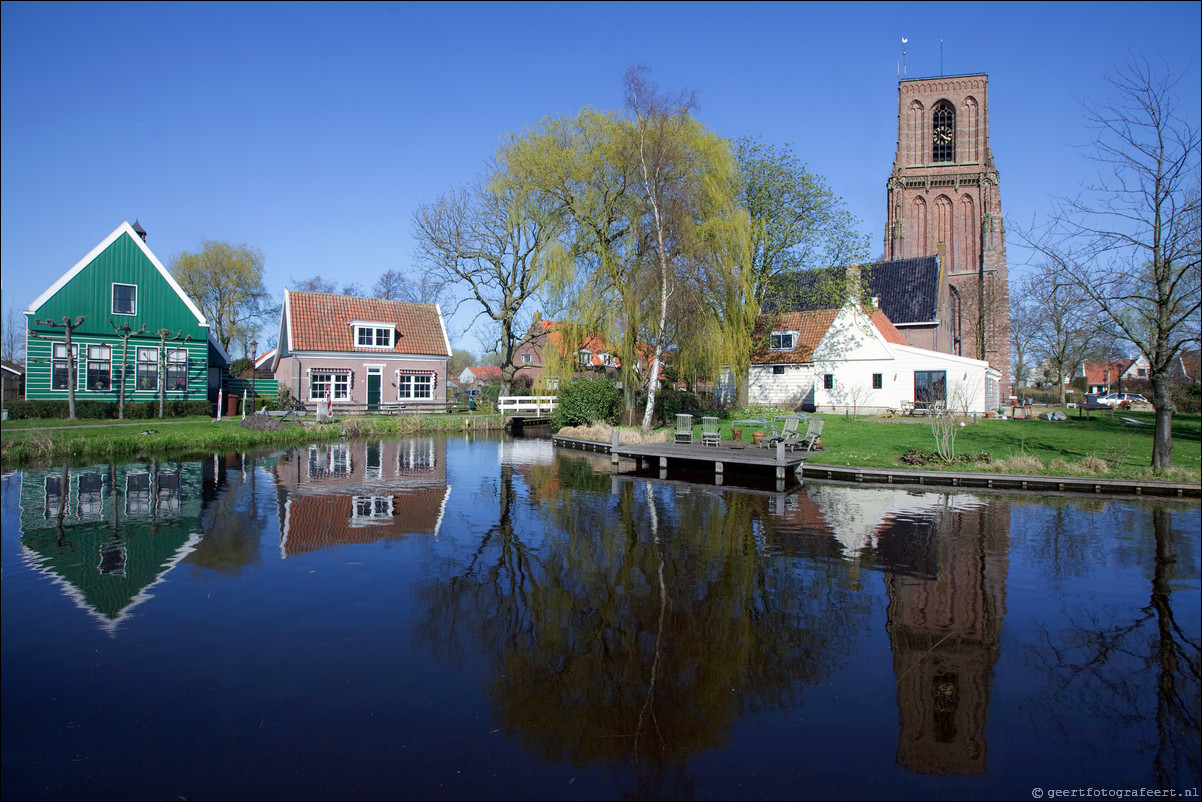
(613,450)
(780,460)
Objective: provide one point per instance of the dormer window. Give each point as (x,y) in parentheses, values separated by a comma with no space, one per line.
(374,335)
(783,341)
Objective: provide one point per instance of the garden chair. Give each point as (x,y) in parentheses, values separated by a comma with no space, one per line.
(710,436)
(809,440)
(684,428)
(788,430)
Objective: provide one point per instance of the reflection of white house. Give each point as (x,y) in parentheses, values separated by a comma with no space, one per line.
(857,515)
(833,360)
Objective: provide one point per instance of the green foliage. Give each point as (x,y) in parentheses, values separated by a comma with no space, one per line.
(240,366)
(585,401)
(489,394)
(226,282)
(106,410)
(1186,397)
(669,403)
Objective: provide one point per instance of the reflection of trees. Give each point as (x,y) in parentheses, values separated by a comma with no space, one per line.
(634,627)
(233,523)
(1114,671)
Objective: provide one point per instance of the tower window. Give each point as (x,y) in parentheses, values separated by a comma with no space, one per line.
(943,132)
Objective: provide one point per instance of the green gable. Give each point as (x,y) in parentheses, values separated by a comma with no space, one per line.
(123,282)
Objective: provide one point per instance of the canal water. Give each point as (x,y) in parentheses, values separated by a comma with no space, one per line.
(495,618)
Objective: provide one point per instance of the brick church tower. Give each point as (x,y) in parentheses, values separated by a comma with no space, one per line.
(944,201)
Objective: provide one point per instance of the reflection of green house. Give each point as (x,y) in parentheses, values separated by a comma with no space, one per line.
(120,283)
(107,534)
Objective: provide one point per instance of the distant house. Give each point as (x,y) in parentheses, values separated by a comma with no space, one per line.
(834,360)
(363,352)
(13,381)
(477,376)
(1105,377)
(1187,368)
(555,351)
(121,283)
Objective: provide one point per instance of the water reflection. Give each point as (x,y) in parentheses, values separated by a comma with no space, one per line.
(673,639)
(106,534)
(360,492)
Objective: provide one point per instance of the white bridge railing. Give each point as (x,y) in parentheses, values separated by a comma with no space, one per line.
(526,403)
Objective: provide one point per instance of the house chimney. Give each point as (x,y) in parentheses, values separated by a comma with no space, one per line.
(141,232)
(853,284)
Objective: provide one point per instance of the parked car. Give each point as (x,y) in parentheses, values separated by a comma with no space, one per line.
(1116,399)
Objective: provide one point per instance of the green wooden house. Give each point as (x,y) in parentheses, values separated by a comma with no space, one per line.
(121,285)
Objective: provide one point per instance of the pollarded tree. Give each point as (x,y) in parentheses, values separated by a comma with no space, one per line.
(1130,242)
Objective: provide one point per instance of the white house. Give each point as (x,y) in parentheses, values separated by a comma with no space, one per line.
(832,360)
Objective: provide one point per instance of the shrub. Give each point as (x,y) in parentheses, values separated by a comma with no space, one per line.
(585,401)
(107,410)
(669,403)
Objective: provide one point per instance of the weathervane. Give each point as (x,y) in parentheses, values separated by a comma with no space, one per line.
(901,69)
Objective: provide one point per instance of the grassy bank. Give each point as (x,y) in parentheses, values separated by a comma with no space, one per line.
(1102,444)
(38,441)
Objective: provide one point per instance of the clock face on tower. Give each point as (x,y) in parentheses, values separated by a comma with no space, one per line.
(943,134)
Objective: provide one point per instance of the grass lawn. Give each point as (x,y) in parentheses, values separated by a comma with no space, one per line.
(46,440)
(1102,444)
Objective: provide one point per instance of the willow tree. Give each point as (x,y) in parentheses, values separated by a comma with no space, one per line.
(226,282)
(492,245)
(581,167)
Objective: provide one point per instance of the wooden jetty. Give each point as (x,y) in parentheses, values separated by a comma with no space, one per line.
(743,458)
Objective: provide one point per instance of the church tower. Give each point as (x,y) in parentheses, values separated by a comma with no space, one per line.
(944,201)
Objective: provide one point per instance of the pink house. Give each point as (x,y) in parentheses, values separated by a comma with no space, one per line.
(367,354)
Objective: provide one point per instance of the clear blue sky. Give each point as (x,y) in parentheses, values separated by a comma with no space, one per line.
(312,131)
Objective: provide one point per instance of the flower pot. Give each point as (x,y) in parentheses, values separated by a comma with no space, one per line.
(736,435)
(758,438)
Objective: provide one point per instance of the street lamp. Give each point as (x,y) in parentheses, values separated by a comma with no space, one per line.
(254,356)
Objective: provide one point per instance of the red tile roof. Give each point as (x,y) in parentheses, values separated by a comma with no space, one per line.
(322,322)
(1101,372)
(811,326)
(486,372)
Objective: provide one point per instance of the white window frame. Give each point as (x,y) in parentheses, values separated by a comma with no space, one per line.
(55,358)
(408,384)
(113,298)
(172,359)
(139,362)
(374,332)
(777,340)
(332,381)
(97,360)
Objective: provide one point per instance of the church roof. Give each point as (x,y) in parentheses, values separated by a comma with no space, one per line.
(906,290)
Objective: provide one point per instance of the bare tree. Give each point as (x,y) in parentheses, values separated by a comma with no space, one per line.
(493,241)
(12,340)
(1130,242)
(317,283)
(394,285)
(1065,330)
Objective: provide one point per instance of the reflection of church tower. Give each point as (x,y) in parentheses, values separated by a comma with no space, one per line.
(944,622)
(943,199)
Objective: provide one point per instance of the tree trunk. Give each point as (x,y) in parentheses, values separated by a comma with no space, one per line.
(1162,439)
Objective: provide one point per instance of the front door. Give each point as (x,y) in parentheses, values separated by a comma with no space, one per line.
(373,389)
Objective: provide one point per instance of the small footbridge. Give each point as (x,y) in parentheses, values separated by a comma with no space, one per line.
(521,411)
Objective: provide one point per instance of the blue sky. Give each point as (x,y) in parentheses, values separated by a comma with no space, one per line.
(312,131)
